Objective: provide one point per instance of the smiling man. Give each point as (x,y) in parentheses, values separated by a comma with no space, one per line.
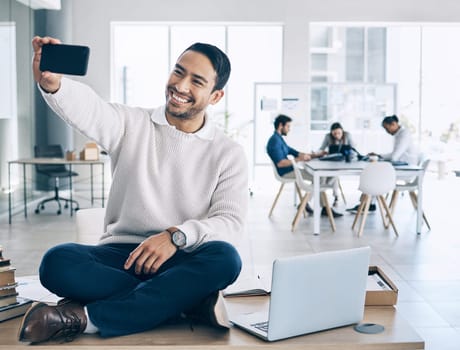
(177,202)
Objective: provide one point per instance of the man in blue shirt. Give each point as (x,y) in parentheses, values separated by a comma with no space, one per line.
(278,150)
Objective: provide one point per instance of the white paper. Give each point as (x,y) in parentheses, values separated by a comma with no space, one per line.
(30,287)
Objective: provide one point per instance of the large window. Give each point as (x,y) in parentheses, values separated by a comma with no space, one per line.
(144,53)
(422,60)
(8,99)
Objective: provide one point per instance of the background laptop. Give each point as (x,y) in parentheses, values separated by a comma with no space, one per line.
(311,293)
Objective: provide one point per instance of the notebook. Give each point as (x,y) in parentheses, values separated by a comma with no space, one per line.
(311,293)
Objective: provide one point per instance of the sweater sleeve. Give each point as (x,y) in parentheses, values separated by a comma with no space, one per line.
(79,106)
(325,143)
(228,208)
(401,145)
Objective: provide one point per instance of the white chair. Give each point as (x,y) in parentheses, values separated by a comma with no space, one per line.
(283,181)
(307,186)
(410,186)
(376,180)
(90,224)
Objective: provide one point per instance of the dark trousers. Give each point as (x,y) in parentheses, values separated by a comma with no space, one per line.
(120,302)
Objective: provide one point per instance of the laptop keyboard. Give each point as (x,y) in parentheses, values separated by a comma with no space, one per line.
(263,326)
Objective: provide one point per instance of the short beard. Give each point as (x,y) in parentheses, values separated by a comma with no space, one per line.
(185,115)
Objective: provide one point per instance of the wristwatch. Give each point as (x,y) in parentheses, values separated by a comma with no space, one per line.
(178,238)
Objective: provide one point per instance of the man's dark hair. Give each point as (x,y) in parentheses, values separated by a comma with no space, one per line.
(390,119)
(281,119)
(219,61)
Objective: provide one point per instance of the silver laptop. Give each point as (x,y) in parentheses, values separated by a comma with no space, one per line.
(311,293)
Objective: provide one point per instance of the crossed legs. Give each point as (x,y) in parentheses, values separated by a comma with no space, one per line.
(120,302)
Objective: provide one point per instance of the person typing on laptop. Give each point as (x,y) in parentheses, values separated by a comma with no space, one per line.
(337,136)
(278,150)
(404,150)
(333,142)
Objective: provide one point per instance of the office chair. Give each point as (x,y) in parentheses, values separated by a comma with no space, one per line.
(283,181)
(55,171)
(410,186)
(308,188)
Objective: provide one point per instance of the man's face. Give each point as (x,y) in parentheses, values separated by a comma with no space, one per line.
(285,128)
(391,128)
(189,89)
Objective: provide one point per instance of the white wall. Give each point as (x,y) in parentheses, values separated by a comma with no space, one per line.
(91,22)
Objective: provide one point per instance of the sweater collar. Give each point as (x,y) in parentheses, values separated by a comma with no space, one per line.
(207,132)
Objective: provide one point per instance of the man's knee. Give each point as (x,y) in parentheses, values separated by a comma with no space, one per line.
(225,258)
(55,263)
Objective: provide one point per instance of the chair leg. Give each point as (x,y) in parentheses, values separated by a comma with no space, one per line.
(57,199)
(413,197)
(382,212)
(276,200)
(341,191)
(301,209)
(393,200)
(360,209)
(299,193)
(390,218)
(367,203)
(328,210)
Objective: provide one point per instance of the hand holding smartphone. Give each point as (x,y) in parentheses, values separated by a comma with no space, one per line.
(64,59)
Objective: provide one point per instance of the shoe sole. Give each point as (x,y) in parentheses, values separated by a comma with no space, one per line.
(35,306)
(220,316)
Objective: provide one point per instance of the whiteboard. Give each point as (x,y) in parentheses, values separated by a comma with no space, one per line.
(313,106)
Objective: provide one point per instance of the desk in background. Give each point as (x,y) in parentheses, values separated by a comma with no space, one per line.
(35,161)
(319,169)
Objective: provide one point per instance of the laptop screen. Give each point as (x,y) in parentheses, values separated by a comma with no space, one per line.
(339,149)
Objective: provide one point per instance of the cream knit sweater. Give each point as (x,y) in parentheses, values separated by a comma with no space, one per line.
(161,177)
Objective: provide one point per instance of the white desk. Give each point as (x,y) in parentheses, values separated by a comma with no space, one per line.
(53,161)
(319,168)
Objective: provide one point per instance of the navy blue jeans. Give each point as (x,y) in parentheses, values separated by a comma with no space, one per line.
(120,302)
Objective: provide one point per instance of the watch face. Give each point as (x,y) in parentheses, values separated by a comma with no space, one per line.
(178,238)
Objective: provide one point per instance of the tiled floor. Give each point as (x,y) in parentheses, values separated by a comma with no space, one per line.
(424,267)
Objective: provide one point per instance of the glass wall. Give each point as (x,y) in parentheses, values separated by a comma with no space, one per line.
(16,90)
(420,59)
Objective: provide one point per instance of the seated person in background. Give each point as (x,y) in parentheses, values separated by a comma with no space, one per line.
(404,149)
(337,137)
(278,150)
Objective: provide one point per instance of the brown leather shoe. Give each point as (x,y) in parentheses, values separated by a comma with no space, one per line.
(43,322)
(211,311)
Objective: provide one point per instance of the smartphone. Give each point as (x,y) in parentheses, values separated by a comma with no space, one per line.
(64,59)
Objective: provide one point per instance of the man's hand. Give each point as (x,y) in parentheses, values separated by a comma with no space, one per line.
(151,253)
(318,154)
(304,157)
(50,82)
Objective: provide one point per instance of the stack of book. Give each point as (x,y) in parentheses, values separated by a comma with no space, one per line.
(11,305)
